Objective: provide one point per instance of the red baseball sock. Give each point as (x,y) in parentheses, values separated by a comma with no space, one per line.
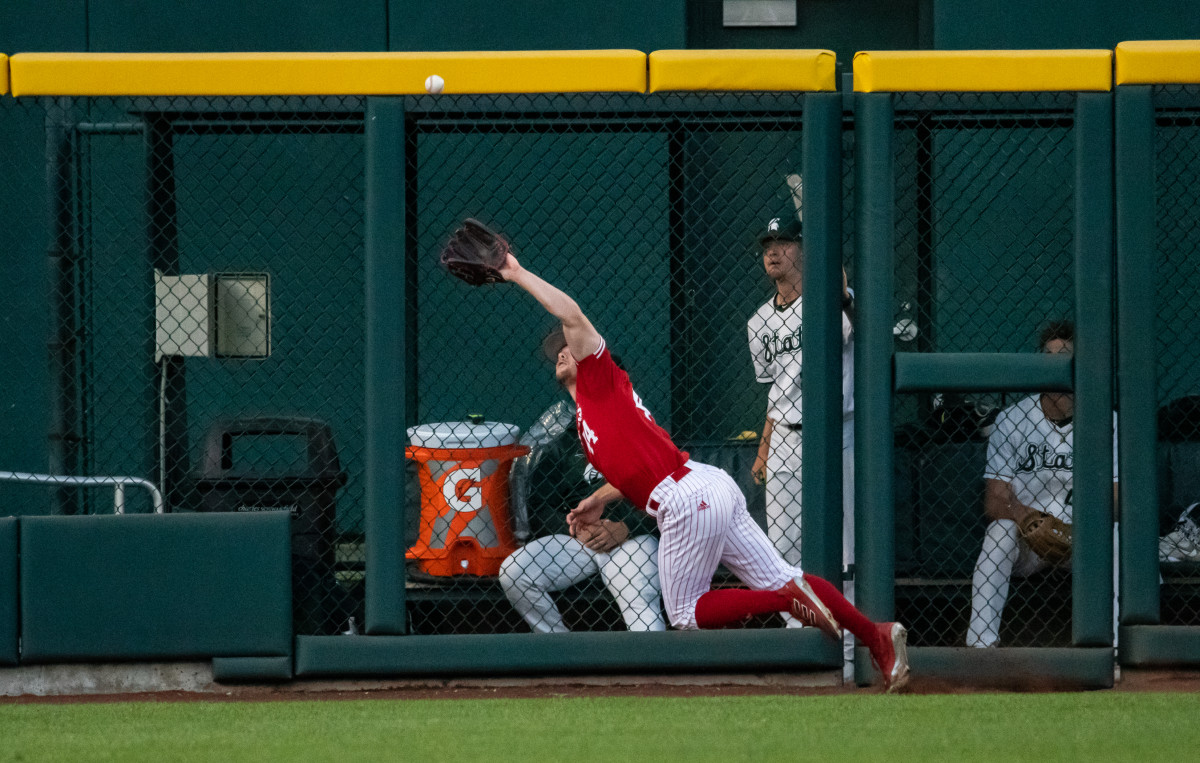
(723,607)
(843,611)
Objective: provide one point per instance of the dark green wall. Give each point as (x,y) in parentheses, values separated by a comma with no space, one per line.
(535,25)
(966,24)
(843,26)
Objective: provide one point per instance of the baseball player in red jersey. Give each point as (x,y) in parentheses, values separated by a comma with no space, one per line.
(700,510)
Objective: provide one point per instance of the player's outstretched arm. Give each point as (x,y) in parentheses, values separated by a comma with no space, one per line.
(581,337)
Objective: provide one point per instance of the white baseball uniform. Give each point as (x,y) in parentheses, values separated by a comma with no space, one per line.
(1036,457)
(776,348)
(556,561)
(700,510)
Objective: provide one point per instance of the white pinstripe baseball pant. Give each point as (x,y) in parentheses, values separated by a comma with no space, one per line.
(703,522)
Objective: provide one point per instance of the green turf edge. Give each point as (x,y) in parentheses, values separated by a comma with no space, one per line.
(1147,646)
(776,649)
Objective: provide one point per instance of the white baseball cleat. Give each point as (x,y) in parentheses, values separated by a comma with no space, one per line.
(892,659)
(808,609)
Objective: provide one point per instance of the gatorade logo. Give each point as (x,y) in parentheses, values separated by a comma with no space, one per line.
(463,489)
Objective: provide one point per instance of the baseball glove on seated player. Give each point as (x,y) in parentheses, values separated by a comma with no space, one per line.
(475,253)
(1048,536)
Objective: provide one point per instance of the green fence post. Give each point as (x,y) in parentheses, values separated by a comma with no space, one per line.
(1092,587)
(1136,362)
(821,467)
(874,181)
(385,347)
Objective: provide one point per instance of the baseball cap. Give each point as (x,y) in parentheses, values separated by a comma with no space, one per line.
(553,343)
(783,228)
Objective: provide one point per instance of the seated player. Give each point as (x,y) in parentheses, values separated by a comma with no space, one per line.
(1030,468)
(622,550)
(700,510)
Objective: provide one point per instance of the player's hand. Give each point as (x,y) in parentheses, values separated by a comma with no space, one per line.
(510,267)
(603,536)
(759,470)
(585,515)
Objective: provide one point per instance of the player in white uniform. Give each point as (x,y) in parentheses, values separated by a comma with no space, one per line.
(622,549)
(701,512)
(774,334)
(1030,458)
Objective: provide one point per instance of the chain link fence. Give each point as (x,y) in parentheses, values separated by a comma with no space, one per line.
(646,209)
(984,263)
(203,269)
(202,312)
(1177,159)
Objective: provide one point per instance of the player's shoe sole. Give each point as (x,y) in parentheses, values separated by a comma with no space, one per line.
(893,660)
(808,609)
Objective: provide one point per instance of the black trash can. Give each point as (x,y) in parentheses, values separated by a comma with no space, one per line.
(283,464)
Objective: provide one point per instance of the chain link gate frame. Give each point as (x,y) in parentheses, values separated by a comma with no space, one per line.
(914,146)
(417,124)
(1157,116)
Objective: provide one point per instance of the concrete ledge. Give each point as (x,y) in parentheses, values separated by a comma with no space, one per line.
(776,649)
(112,678)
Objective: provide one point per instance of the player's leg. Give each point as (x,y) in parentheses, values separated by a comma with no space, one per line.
(750,555)
(1001,556)
(630,571)
(691,527)
(784,499)
(546,564)
(784,493)
(848,541)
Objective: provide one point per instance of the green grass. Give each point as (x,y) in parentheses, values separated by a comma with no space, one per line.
(1040,727)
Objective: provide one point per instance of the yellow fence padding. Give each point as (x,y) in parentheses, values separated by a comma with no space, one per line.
(1158,62)
(794,70)
(326,73)
(3,74)
(982,70)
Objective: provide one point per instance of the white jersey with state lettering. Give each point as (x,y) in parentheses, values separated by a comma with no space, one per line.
(1036,457)
(774,334)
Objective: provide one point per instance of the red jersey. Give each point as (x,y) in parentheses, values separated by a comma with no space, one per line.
(618,433)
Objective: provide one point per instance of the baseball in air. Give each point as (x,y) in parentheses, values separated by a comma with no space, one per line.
(434,84)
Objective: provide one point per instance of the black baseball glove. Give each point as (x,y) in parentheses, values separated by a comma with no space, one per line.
(475,253)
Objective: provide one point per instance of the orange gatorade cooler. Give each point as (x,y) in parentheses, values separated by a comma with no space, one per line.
(463,472)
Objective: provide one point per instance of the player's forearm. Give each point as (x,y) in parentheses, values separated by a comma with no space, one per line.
(606,494)
(764,445)
(556,301)
(1000,502)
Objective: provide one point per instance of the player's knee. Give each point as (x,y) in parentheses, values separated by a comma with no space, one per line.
(511,572)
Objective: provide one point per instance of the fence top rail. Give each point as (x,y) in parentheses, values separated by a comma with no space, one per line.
(961,71)
(1158,62)
(238,74)
(3,74)
(743,70)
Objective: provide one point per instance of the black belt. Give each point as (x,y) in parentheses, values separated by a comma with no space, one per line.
(794,427)
(676,475)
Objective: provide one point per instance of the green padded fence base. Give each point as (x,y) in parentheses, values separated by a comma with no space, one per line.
(1146,646)
(149,587)
(9,620)
(560,653)
(1015,669)
(228,670)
